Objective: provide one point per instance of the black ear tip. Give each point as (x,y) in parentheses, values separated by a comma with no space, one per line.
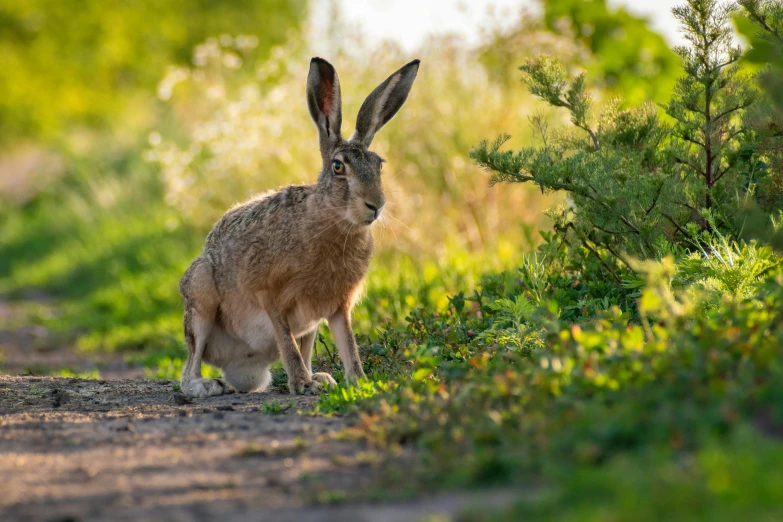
(415,62)
(320,61)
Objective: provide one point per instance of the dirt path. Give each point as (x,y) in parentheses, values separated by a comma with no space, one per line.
(83,450)
(124,449)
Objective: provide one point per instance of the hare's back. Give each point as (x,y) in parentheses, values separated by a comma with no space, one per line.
(268,215)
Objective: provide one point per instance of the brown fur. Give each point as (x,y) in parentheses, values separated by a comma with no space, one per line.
(275,266)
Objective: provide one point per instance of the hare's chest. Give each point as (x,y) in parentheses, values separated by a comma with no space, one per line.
(338,270)
(315,304)
(332,287)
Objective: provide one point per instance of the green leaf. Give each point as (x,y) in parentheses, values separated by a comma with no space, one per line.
(421,374)
(763,52)
(745,27)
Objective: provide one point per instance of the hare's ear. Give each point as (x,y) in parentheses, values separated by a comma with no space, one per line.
(323,100)
(384,102)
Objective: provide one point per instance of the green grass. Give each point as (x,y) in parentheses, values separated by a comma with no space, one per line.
(340,398)
(111,264)
(276,408)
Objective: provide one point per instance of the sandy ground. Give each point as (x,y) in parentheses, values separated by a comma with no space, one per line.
(124,448)
(83,450)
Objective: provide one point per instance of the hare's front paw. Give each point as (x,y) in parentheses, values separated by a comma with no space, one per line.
(201,388)
(305,385)
(324,378)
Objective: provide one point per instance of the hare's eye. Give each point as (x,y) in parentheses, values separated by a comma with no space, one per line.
(338,167)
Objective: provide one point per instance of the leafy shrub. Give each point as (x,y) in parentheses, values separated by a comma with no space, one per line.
(633,179)
(672,377)
(761,24)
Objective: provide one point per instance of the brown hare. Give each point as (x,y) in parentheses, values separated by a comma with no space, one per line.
(274,267)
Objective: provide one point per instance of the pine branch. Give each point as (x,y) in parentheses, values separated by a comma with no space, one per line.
(621,258)
(506,167)
(728,62)
(733,135)
(752,10)
(609,207)
(694,141)
(578,122)
(681,230)
(730,110)
(691,165)
(731,164)
(611,232)
(655,200)
(593,137)
(586,244)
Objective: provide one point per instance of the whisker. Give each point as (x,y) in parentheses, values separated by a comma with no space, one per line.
(398,220)
(386,225)
(322,231)
(346,244)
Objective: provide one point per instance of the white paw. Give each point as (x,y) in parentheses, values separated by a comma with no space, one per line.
(324,378)
(201,388)
(304,387)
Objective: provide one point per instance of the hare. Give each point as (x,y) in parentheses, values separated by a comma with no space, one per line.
(274,267)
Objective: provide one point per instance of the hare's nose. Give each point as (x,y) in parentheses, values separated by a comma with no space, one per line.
(372,207)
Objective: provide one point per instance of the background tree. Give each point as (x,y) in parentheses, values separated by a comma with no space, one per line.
(614,171)
(633,61)
(633,179)
(706,104)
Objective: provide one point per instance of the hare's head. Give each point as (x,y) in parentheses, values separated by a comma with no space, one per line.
(351,174)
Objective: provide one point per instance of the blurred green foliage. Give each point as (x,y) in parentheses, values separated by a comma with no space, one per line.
(760,23)
(631,59)
(722,482)
(89,63)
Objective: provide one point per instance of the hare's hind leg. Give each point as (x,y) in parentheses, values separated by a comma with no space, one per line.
(197,330)
(201,304)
